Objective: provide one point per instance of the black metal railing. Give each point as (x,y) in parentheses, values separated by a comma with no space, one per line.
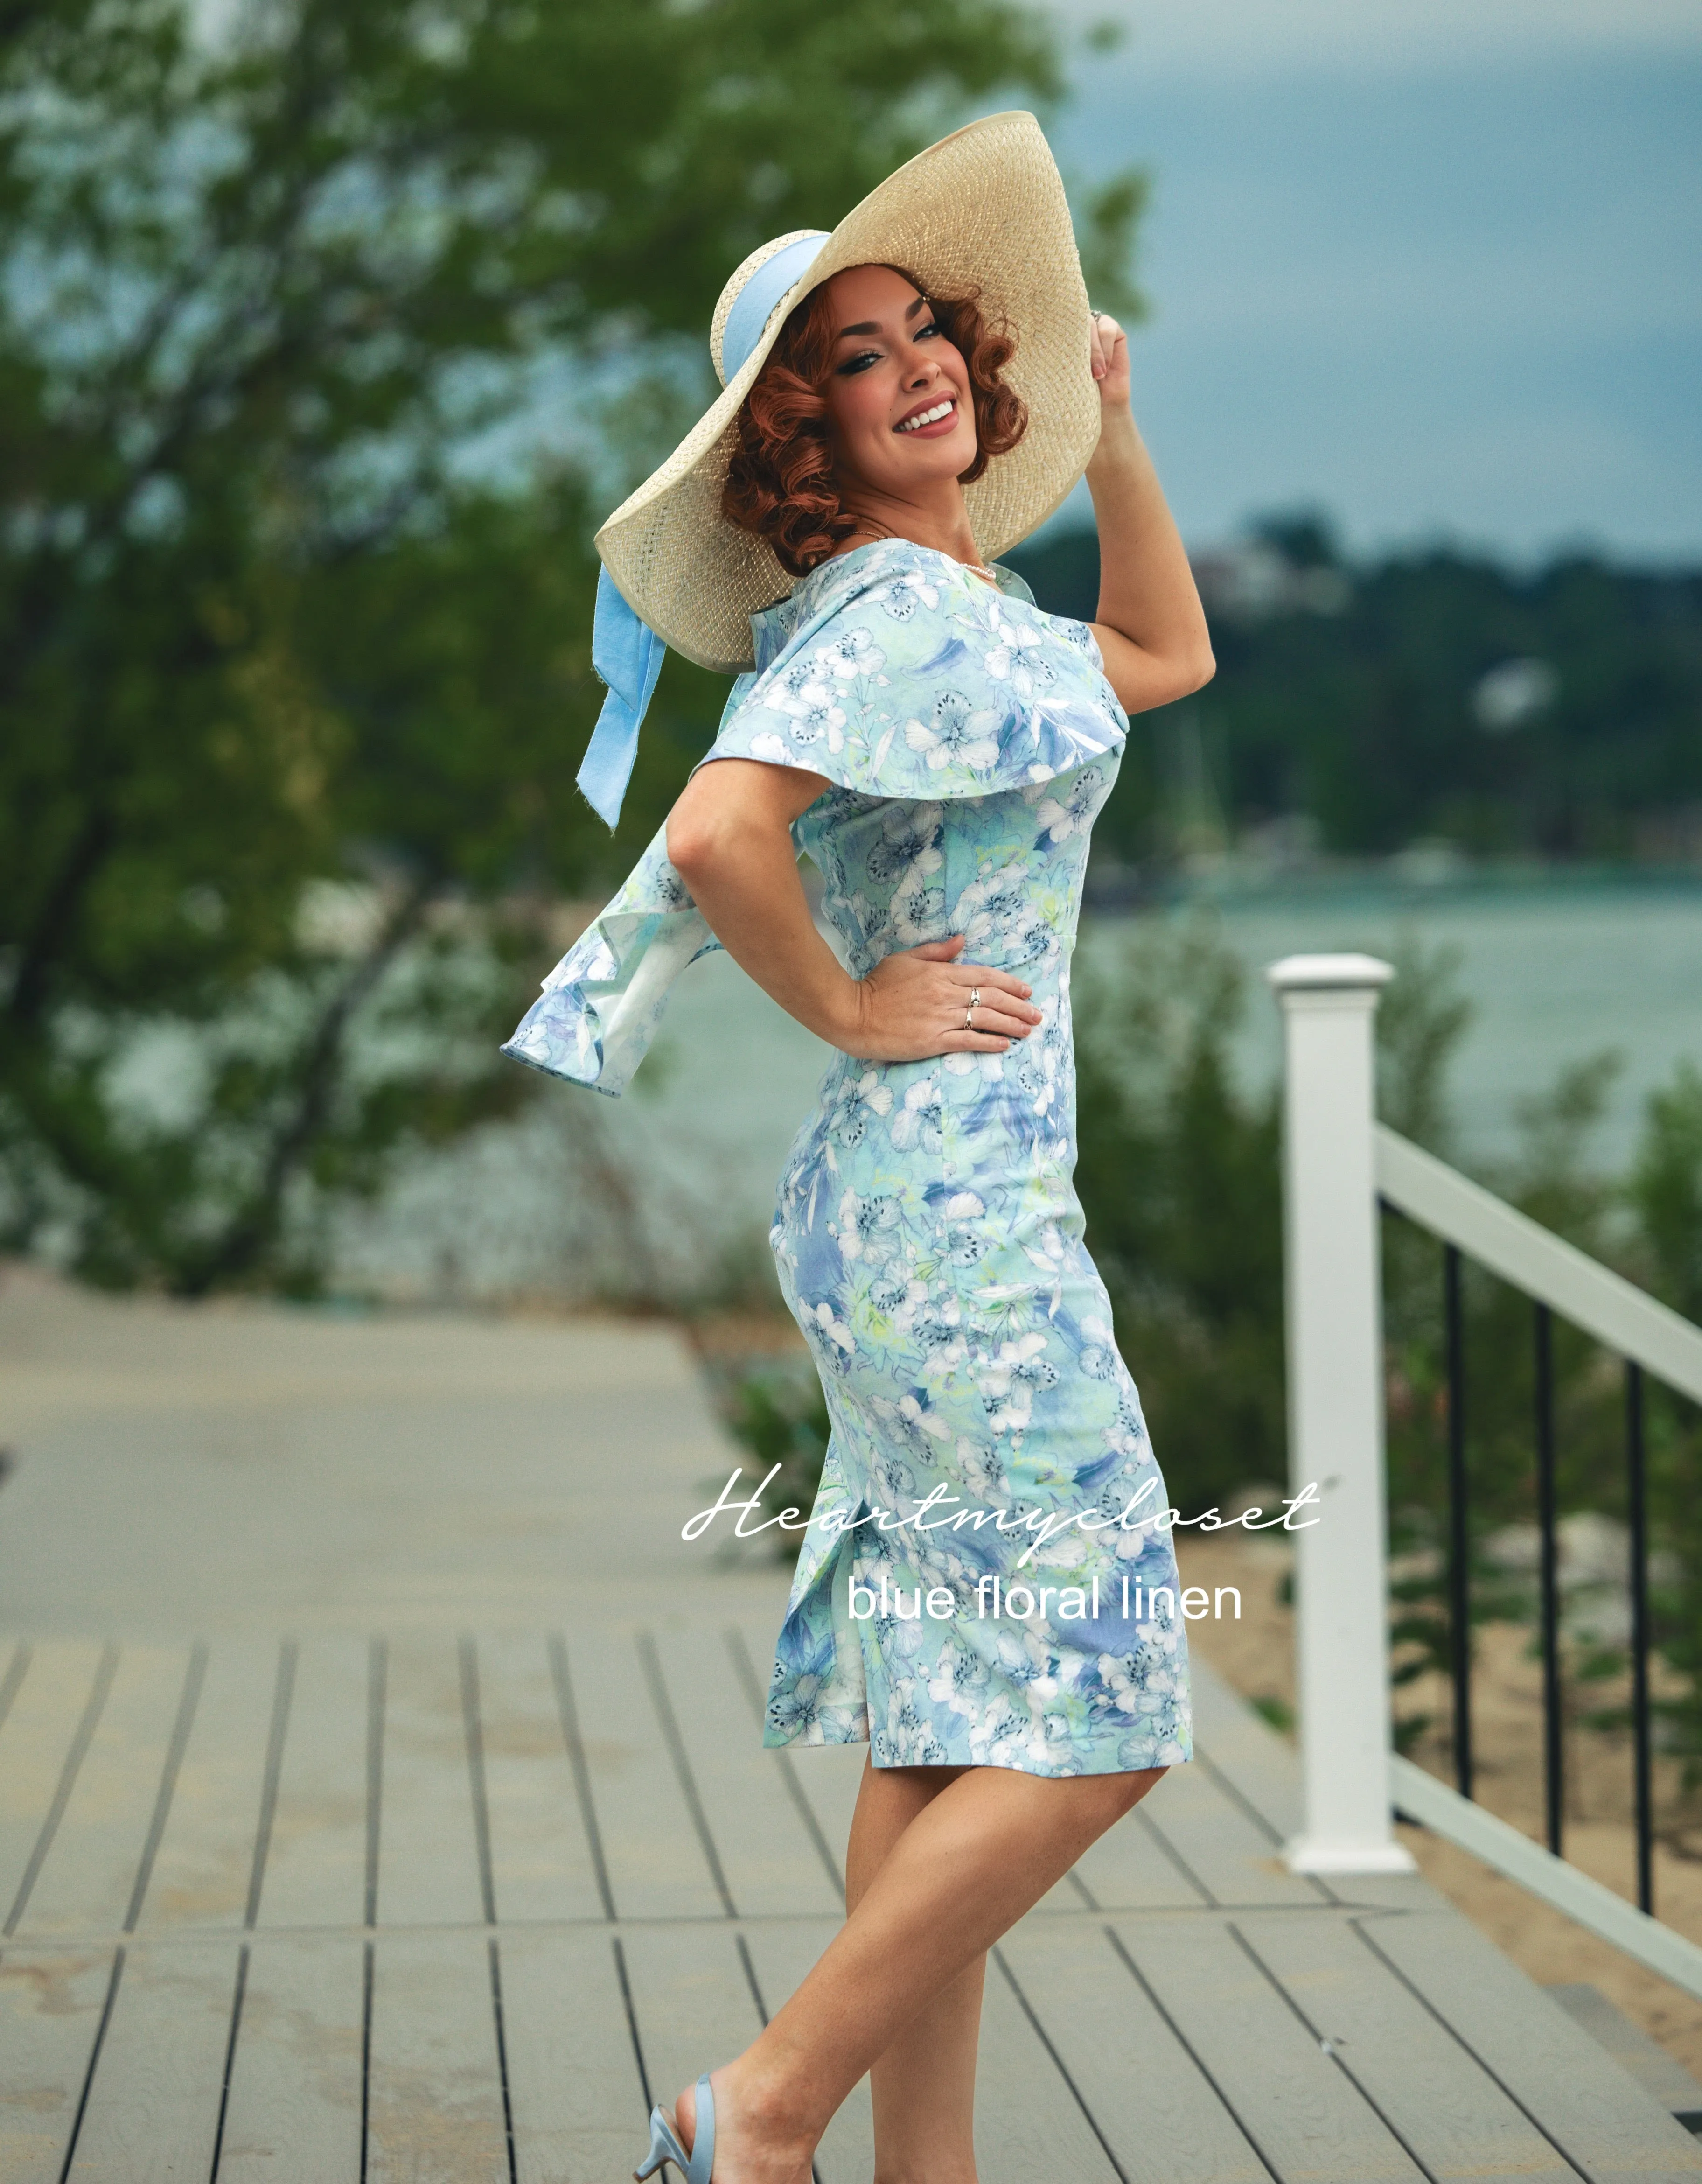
(1458,1587)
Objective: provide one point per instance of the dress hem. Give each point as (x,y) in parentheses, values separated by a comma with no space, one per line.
(771,1743)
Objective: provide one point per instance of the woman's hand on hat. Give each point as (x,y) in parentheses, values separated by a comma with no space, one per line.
(1110,357)
(922,1001)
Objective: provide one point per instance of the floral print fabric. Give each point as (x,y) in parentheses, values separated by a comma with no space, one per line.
(927,1235)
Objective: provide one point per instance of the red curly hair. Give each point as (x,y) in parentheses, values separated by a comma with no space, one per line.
(780,481)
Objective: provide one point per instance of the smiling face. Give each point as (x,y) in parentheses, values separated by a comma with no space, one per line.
(898,392)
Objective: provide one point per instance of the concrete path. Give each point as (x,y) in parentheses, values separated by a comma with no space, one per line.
(196,1469)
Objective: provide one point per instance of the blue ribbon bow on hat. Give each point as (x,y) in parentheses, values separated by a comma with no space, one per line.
(625,652)
(628,653)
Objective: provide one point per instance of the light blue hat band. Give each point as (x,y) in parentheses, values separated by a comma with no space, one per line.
(756,300)
(625,652)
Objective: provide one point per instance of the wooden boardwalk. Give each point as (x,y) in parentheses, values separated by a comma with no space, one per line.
(452,1911)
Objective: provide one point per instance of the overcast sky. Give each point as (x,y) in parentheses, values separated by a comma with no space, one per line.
(1435,266)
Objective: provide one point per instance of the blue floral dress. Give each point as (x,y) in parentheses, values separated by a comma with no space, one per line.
(987,1578)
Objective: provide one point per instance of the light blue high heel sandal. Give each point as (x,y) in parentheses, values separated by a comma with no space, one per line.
(698,2166)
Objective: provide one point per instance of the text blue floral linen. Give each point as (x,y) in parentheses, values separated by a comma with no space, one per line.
(927,1235)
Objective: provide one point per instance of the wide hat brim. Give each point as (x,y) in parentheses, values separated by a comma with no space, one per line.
(982,210)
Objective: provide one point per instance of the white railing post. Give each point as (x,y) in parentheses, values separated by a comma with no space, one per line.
(1332,1288)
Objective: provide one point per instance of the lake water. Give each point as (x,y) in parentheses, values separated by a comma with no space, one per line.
(1556,972)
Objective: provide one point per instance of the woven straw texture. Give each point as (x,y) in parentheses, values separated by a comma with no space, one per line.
(985,208)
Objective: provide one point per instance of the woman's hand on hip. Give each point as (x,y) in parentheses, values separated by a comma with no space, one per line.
(922,1002)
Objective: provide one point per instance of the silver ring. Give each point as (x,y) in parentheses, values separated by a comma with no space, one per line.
(969,1017)
(975,997)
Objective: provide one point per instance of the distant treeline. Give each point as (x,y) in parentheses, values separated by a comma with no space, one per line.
(1432,695)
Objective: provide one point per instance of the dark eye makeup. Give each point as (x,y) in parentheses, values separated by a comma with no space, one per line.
(864,356)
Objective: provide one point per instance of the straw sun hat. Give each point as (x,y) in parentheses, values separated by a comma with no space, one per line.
(983,208)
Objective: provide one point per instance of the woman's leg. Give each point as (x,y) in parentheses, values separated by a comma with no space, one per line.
(968,1863)
(924,2084)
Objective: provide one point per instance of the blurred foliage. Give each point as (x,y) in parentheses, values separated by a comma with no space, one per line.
(778,1415)
(1178,1170)
(1180,1174)
(1355,696)
(294,614)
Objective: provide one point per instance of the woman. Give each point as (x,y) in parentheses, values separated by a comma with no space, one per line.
(925,381)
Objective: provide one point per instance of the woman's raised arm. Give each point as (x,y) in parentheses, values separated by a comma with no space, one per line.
(729,840)
(1150,625)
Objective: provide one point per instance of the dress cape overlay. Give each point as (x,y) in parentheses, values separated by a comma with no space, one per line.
(927,1235)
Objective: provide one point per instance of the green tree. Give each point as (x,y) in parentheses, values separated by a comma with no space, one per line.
(1355,695)
(325,328)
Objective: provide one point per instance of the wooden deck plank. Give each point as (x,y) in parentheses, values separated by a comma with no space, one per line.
(435,2098)
(1246,1750)
(771,1858)
(1029,2123)
(1449,2110)
(294,2110)
(1659,2072)
(50,1704)
(16,1654)
(315,1871)
(692,2001)
(782,1956)
(429,1860)
(826,1775)
(1591,2108)
(50,2011)
(1160,2114)
(540,1864)
(1386,1891)
(89,1877)
(153,2113)
(656,1868)
(579,2106)
(1316,2027)
(205,1866)
(1212,1837)
(1305,2118)
(1131,1867)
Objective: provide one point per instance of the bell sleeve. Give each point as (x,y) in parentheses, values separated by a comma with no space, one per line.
(905,676)
(897,675)
(593,1022)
